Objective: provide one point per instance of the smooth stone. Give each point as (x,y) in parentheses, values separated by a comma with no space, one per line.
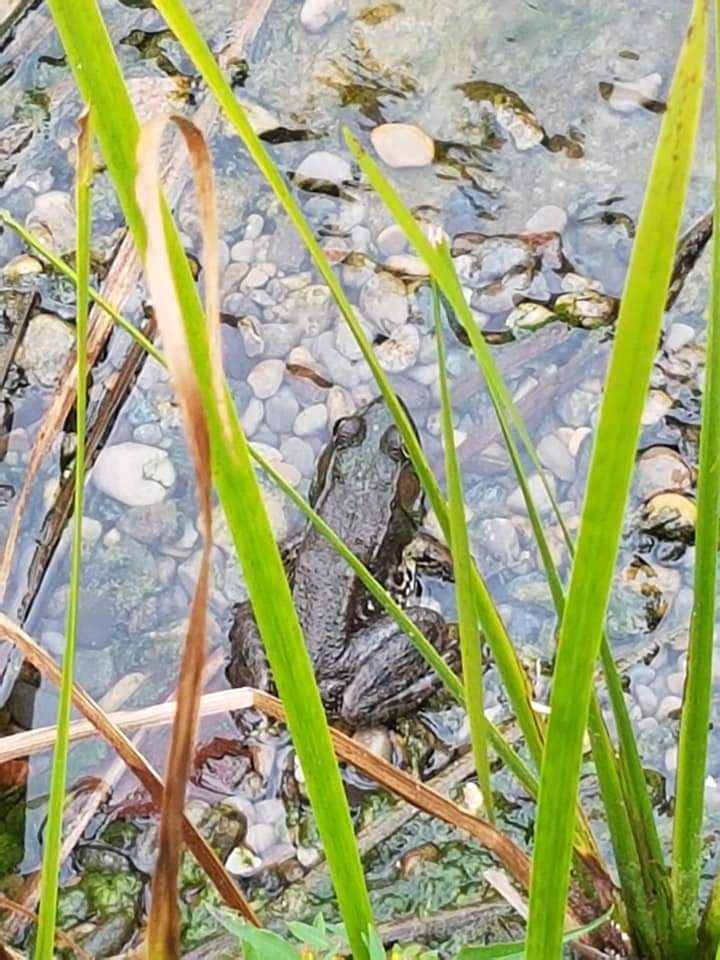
(647,699)
(400,351)
(253,416)
(135,474)
(52,219)
(299,453)
(265,378)
(346,343)
(290,473)
(392,240)
(384,302)
(310,420)
(656,406)
(91,529)
(242,862)
(315,15)
(376,740)
(149,433)
(339,404)
(671,755)
(673,512)
(678,336)
(629,96)
(243,251)
(323,165)
(661,468)
(255,278)
(669,705)
(281,410)
(403,145)
(21,266)
(537,490)
(407,264)
(156,523)
(280,338)
(556,457)
(45,348)
(260,837)
(499,536)
(548,219)
(676,683)
(253,227)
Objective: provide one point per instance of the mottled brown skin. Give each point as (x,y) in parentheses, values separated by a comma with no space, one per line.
(368,671)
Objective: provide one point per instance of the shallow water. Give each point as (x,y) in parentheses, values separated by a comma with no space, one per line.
(411,66)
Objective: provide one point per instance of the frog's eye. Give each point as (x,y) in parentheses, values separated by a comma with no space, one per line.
(392,444)
(349,432)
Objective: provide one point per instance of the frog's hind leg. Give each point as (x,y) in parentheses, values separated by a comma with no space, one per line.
(391,677)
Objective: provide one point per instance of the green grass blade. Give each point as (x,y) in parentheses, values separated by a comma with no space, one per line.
(611,470)
(516,950)
(44,949)
(695,719)
(514,679)
(470,641)
(92,59)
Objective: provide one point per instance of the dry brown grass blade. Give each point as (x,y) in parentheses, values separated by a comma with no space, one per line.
(62,938)
(160,714)
(146,774)
(163,939)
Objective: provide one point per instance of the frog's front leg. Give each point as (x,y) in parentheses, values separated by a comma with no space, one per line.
(391,678)
(248,665)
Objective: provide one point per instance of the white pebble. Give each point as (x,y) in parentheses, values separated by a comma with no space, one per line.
(265,378)
(310,420)
(323,165)
(134,473)
(403,145)
(669,705)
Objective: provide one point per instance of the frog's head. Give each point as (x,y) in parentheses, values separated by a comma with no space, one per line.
(367,454)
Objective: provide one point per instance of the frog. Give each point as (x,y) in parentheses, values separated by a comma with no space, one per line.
(368,671)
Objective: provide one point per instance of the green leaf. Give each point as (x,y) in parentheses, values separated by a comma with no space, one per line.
(375,945)
(264,944)
(517,949)
(611,469)
(313,936)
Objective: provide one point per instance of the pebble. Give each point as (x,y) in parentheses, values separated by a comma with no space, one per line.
(400,351)
(91,529)
(629,96)
(243,251)
(315,15)
(242,862)
(516,501)
(323,165)
(339,404)
(376,740)
(661,468)
(265,378)
(548,219)
(45,349)
(281,410)
(556,457)
(310,420)
(253,342)
(135,474)
(253,416)
(280,338)
(647,699)
(676,683)
(150,433)
(255,278)
(22,266)
(656,406)
(671,759)
(383,300)
(678,336)
(403,145)
(156,523)
(529,316)
(253,227)
(499,536)
(392,240)
(299,453)
(407,264)
(52,220)
(669,705)
(670,514)
(346,343)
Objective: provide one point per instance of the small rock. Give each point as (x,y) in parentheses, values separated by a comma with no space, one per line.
(156,523)
(52,219)
(339,404)
(260,837)
(670,516)
(253,226)
(529,316)
(91,529)
(255,278)
(403,145)
(556,457)
(587,309)
(678,336)
(376,740)
(399,351)
(45,349)
(391,240)
(499,536)
(149,433)
(324,166)
(242,862)
(253,416)
(656,406)
(134,473)
(299,453)
(253,342)
(281,410)
(310,420)
(318,14)
(647,699)
(661,468)
(243,252)
(308,857)
(671,759)
(631,95)
(676,683)
(548,219)
(383,300)
(22,266)
(669,706)
(265,378)
(346,343)
(516,500)
(408,265)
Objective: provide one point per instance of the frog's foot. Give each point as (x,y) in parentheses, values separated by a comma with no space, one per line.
(391,677)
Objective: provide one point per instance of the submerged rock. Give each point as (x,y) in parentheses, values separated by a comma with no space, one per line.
(45,349)
(323,165)
(136,474)
(403,145)
(318,14)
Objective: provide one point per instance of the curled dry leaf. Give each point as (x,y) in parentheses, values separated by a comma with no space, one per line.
(163,935)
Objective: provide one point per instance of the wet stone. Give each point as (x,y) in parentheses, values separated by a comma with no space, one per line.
(403,145)
(676,683)
(253,226)
(391,241)
(324,166)
(265,378)
(647,699)
(255,278)
(150,433)
(45,348)
(339,404)
(376,740)
(537,490)
(243,251)
(629,96)
(400,351)
(383,300)
(678,336)
(281,410)
(156,523)
(548,219)
(669,706)
(310,420)
(134,473)
(52,220)
(299,453)
(499,537)
(556,457)
(661,468)
(252,417)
